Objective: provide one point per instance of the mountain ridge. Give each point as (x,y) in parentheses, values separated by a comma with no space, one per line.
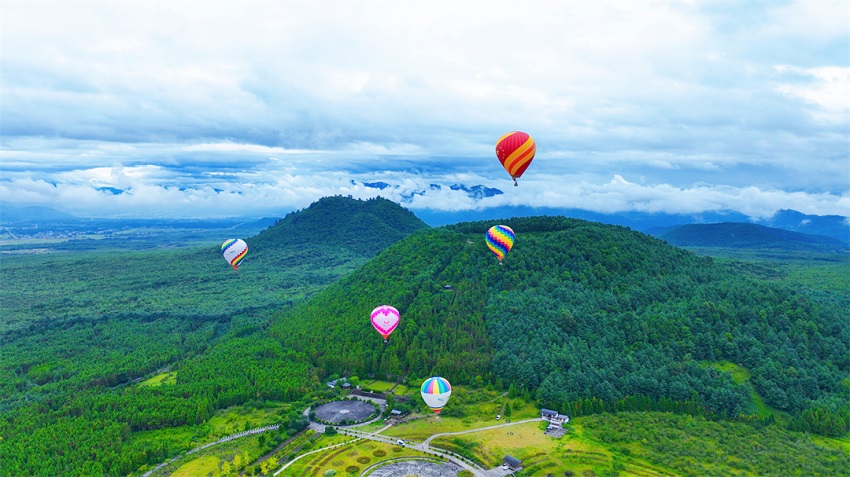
(748,235)
(655,223)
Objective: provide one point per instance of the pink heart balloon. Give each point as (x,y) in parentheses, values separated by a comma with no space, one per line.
(385,319)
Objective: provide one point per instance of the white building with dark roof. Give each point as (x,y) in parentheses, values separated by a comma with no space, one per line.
(555,419)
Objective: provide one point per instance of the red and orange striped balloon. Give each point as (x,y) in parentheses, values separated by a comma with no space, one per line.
(515,151)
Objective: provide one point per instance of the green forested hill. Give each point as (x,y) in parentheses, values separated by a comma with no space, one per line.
(364,227)
(584,316)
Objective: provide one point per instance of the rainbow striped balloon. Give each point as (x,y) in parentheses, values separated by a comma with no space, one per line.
(500,239)
(234,251)
(515,151)
(436,392)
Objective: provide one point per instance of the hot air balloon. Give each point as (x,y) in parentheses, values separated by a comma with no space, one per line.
(385,319)
(234,250)
(515,151)
(500,239)
(436,392)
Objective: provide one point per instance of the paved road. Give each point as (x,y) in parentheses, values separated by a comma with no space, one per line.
(494,472)
(505,424)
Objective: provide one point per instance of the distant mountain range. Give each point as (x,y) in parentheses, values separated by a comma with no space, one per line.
(656,224)
(48,218)
(11,215)
(475,192)
(744,235)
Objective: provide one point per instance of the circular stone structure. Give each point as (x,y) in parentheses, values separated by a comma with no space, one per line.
(418,468)
(338,411)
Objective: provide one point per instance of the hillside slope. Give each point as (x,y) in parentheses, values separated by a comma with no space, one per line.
(578,311)
(744,235)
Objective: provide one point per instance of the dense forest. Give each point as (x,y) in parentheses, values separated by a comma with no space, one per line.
(586,317)
(80,327)
(581,317)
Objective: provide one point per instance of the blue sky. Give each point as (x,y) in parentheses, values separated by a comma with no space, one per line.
(216,109)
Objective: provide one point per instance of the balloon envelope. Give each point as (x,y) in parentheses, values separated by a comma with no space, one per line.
(385,319)
(515,151)
(500,239)
(234,251)
(435,392)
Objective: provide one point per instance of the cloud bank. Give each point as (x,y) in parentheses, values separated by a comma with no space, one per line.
(210,109)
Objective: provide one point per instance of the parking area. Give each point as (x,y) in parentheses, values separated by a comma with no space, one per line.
(338,411)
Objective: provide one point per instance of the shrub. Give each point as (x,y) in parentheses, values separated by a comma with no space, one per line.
(379,453)
(363,460)
(396,449)
(352,469)
(330,473)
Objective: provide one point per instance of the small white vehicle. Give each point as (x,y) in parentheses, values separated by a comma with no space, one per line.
(498,416)
(400,442)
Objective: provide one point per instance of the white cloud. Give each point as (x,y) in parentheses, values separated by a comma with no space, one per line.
(214,107)
(828,89)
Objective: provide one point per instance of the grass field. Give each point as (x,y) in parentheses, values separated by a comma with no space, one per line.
(160,379)
(237,419)
(384,386)
(201,466)
(420,429)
